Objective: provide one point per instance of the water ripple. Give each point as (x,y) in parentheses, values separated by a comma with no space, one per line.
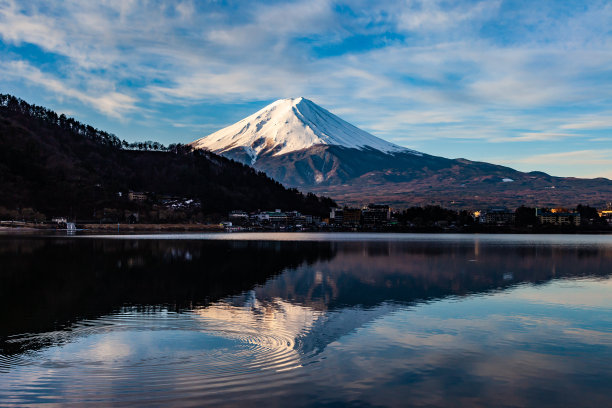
(135,355)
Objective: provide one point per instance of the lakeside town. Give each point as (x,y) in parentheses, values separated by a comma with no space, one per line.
(380,217)
(150,212)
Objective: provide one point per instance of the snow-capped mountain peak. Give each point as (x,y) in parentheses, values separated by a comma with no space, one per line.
(288,125)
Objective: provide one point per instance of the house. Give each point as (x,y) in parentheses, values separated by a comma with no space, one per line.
(137,196)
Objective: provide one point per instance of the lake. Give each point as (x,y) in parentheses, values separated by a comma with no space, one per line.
(306,320)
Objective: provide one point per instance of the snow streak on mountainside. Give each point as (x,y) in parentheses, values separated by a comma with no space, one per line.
(289,125)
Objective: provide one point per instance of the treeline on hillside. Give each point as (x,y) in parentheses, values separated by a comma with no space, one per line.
(51,165)
(50,118)
(46,116)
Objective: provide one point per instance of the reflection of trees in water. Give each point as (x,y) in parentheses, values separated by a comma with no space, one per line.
(11,246)
(48,284)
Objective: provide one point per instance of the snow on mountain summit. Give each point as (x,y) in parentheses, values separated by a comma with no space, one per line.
(288,125)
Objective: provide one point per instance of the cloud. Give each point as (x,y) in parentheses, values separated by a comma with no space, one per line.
(566,163)
(111,103)
(184,52)
(433,15)
(601,121)
(417,71)
(603,156)
(536,136)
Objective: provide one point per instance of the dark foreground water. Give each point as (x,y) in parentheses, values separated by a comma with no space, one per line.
(331,320)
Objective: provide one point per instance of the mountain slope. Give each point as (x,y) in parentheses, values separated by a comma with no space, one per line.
(289,125)
(292,141)
(60,167)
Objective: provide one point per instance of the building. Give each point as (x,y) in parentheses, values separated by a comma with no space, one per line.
(137,196)
(558,216)
(351,217)
(606,215)
(293,217)
(276,217)
(376,214)
(336,216)
(238,217)
(497,216)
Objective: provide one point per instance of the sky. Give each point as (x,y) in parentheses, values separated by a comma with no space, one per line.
(527,84)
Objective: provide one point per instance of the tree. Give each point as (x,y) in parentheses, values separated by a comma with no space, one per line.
(589,215)
(525,216)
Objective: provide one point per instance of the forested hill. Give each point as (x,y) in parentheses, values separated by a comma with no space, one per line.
(59,166)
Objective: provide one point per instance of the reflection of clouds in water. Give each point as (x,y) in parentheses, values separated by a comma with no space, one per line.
(217,352)
(591,337)
(589,293)
(107,349)
(470,352)
(273,325)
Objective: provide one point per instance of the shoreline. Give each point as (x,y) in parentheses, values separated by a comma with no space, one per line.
(152,227)
(162,228)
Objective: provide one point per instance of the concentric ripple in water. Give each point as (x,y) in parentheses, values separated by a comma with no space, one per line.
(211,354)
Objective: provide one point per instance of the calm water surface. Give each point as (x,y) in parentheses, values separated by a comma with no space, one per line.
(306,320)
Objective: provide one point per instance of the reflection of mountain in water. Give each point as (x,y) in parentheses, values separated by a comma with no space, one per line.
(367,280)
(296,296)
(369,273)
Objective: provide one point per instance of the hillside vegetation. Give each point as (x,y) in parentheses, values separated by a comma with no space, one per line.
(53,165)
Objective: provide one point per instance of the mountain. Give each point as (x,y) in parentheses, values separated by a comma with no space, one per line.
(286,126)
(303,145)
(61,167)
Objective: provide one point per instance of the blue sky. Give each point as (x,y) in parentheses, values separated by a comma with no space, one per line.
(526,84)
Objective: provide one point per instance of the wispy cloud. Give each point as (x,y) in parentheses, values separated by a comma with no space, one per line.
(601,121)
(537,136)
(599,160)
(109,102)
(574,157)
(434,15)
